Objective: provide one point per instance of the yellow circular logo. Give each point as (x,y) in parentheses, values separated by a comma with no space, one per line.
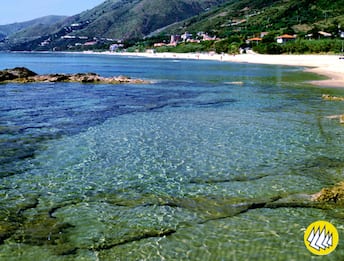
(321,238)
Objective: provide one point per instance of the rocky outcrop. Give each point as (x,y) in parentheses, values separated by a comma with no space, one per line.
(16,73)
(24,75)
(334,194)
(328,97)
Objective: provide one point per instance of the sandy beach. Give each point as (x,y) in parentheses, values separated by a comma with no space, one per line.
(327,65)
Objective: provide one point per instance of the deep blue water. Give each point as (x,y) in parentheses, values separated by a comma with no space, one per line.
(161,170)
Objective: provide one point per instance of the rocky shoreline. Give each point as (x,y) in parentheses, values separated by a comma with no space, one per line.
(24,75)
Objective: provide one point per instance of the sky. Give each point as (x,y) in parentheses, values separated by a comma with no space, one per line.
(13,11)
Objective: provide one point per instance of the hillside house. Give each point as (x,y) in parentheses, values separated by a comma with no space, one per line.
(174,40)
(318,35)
(91,43)
(115,47)
(45,42)
(263,34)
(206,37)
(76,26)
(193,41)
(324,34)
(282,39)
(159,44)
(254,40)
(186,36)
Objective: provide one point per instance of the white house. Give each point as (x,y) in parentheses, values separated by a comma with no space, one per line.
(186,36)
(115,47)
(255,40)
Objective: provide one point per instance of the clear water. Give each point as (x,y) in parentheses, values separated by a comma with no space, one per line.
(163,171)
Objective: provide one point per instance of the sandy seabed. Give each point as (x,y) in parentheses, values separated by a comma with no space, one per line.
(331,66)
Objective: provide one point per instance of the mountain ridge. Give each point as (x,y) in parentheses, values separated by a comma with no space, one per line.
(12,28)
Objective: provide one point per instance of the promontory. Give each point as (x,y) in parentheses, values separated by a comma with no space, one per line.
(24,75)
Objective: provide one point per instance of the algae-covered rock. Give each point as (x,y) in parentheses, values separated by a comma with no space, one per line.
(328,97)
(42,230)
(334,194)
(11,218)
(6,230)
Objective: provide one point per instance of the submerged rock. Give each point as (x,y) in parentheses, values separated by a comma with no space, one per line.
(328,97)
(42,230)
(6,230)
(24,75)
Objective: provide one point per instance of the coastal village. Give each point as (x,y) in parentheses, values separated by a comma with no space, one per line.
(73,40)
(79,41)
(118,45)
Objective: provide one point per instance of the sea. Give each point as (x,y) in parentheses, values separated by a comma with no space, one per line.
(208,160)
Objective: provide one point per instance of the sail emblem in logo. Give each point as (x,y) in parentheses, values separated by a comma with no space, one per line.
(321,238)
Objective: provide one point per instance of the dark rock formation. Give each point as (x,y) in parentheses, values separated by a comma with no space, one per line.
(16,73)
(24,75)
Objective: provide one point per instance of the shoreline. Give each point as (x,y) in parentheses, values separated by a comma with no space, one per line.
(329,66)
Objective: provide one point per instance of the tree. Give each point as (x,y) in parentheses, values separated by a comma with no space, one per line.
(314,32)
(222,46)
(289,31)
(269,38)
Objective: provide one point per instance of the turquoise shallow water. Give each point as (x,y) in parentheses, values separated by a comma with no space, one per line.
(180,169)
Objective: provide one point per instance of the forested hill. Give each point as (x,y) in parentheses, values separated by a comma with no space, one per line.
(249,16)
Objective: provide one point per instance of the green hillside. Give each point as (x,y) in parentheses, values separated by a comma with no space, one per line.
(16,27)
(255,16)
(132,20)
(123,19)
(32,26)
(113,19)
(18,33)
